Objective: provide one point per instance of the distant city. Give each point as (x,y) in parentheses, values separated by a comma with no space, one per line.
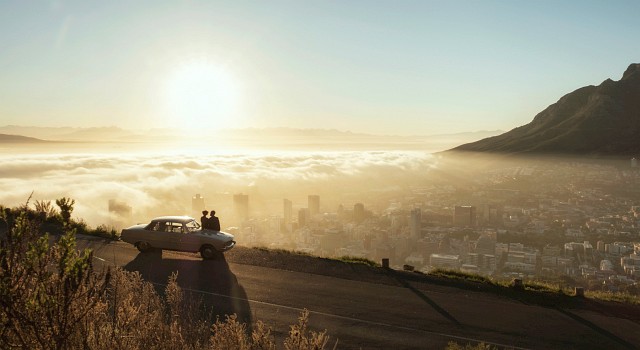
(578,220)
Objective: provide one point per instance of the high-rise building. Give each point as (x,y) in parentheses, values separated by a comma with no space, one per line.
(313,204)
(197,205)
(288,211)
(241,206)
(464,215)
(415,223)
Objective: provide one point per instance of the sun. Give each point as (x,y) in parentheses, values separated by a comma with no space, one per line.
(202,95)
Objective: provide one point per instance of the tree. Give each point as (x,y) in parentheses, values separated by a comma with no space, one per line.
(66,207)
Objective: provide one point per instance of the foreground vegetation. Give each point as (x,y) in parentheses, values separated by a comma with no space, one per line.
(51,298)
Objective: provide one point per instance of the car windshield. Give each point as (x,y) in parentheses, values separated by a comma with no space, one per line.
(192,226)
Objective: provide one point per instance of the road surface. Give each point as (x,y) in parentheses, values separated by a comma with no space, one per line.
(362,315)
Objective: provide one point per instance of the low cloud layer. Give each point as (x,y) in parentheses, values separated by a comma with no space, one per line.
(154,184)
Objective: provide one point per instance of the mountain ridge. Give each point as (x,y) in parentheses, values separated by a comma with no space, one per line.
(601,120)
(8,138)
(262,138)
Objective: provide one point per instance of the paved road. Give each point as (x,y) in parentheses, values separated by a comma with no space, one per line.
(374,316)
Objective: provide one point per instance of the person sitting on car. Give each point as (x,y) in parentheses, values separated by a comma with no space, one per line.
(204,220)
(214,222)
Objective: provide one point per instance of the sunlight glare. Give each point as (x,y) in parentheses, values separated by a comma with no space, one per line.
(202,94)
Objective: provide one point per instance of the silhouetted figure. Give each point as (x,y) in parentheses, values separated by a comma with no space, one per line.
(204,220)
(214,222)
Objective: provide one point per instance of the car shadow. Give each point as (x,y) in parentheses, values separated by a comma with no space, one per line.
(211,281)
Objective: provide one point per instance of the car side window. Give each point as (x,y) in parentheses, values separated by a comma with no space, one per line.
(159,226)
(175,227)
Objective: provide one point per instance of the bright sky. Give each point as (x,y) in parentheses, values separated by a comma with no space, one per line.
(384,67)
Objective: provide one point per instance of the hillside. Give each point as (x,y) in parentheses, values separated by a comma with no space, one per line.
(592,120)
(4,138)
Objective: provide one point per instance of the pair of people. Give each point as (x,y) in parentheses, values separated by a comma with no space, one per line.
(212,222)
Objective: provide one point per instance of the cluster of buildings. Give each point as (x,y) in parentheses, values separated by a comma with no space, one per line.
(535,221)
(547,220)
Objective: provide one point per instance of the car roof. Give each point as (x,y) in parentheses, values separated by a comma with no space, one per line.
(174,218)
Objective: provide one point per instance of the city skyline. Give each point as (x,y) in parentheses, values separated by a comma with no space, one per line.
(420,67)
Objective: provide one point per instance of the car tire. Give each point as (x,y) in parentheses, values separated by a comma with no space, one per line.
(208,252)
(144,246)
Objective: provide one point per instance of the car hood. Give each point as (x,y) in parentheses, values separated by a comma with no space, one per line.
(219,234)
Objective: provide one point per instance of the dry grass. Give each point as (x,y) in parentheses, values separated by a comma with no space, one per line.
(619,297)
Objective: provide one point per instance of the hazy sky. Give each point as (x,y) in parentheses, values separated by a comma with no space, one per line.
(386,67)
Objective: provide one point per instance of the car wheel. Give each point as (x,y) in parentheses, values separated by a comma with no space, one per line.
(208,252)
(143,246)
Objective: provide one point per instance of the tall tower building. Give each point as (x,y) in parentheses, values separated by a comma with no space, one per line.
(288,211)
(464,215)
(241,206)
(415,223)
(313,204)
(197,205)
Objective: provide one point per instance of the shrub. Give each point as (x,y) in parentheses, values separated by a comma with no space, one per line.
(51,298)
(300,338)
(358,260)
(46,291)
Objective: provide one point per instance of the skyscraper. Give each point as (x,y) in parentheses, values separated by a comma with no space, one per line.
(313,204)
(288,211)
(241,206)
(197,205)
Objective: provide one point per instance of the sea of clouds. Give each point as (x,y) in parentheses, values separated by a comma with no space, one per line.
(162,184)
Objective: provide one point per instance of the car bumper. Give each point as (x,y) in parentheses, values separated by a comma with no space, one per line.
(228,246)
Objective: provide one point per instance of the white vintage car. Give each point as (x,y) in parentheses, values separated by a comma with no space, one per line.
(179,233)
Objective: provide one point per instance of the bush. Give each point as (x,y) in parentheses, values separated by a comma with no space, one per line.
(51,298)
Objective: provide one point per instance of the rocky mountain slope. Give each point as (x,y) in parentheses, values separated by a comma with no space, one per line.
(593,120)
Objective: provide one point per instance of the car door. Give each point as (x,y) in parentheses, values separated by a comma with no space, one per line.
(173,236)
(156,234)
(190,240)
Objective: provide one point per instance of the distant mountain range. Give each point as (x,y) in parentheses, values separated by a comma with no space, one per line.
(250,137)
(593,120)
(4,138)
(104,134)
